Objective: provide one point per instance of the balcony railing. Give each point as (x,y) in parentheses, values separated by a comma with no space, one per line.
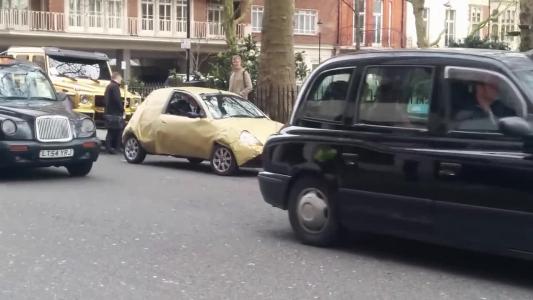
(27,20)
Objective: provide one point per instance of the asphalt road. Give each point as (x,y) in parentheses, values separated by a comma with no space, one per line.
(167,230)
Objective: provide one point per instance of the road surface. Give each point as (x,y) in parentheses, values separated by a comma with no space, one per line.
(168,230)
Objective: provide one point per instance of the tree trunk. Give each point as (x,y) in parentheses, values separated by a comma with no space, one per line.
(418,11)
(526,25)
(276,88)
(230,21)
(229,24)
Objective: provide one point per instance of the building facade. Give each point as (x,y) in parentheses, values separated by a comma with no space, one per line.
(450,21)
(379,23)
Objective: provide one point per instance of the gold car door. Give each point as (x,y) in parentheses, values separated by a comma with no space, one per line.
(182,134)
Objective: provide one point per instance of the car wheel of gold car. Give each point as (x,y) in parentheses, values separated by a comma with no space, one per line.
(223,161)
(133,150)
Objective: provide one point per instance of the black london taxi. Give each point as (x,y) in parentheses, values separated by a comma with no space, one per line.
(37,128)
(431,145)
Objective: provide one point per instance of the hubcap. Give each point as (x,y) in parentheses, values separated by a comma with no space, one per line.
(132,148)
(222,160)
(312,210)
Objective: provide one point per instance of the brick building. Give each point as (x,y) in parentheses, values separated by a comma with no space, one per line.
(147,34)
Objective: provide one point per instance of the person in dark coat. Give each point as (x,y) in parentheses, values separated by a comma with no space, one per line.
(113,114)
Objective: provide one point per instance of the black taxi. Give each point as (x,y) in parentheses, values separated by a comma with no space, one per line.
(37,126)
(432,145)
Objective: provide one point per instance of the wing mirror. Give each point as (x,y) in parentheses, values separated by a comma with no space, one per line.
(515,126)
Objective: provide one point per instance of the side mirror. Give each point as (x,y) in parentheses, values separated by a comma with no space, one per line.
(515,126)
(193,115)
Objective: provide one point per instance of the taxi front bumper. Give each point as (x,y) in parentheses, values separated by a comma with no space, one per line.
(26,153)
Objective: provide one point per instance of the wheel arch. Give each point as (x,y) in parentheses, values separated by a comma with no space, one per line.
(331,180)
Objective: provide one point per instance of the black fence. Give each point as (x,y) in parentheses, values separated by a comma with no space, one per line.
(276,102)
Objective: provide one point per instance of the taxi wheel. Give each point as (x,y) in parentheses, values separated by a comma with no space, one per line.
(223,161)
(80,169)
(133,151)
(312,214)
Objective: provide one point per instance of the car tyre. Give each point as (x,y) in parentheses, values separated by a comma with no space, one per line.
(223,161)
(133,150)
(312,212)
(195,161)
(79,169)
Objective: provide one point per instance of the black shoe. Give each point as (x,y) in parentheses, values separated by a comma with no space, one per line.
(111,151)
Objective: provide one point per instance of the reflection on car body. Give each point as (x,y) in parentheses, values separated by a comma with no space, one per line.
(434,145)
(199,124)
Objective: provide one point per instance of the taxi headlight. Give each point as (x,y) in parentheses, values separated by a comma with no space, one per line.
(85,99)
(9,127)
(87,128)
(249,139)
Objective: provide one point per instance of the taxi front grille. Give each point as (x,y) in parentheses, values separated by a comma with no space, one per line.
(53,129)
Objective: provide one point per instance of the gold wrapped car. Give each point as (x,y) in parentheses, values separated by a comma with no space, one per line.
(81,75)
(199,124)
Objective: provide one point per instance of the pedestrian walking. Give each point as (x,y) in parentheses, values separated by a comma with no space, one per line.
(113,114)
(240,81)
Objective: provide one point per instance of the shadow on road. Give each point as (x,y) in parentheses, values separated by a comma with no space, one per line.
(450,260)
(29,174)
(203,167)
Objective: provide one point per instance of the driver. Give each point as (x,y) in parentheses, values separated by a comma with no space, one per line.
(488,104)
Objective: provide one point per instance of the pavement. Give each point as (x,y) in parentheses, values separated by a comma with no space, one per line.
(169,230)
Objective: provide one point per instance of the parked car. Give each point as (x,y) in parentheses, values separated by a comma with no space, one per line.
(81,75)
(428,145)
(199,124)
(37,128)
(177,79)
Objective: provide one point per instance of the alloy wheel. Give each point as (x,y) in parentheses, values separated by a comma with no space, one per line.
(131,149)
(222,160)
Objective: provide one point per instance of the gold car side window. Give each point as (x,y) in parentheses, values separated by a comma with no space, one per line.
(182,105)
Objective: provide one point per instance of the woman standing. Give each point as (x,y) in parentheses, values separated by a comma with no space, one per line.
(240,81)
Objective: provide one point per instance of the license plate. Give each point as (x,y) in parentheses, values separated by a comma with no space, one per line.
(59,153)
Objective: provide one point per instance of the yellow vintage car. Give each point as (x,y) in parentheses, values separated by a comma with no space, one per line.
(199,124)
(81,75)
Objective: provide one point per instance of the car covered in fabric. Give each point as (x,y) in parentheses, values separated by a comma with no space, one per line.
(199,124)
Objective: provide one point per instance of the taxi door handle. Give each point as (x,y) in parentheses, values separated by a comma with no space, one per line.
(350,159)
(449,169)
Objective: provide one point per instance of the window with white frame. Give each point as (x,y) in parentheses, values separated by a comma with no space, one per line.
(475,19)
(507,24)
(75,13)
(449,37)
(378,20)
(361,26)
(114,8)
(147,15)
(305,21)
(214,18)
(14,4)
(96,13)
(257,18)
(181,15)
(165,10)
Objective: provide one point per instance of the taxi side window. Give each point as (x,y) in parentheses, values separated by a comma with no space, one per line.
(39,61)
(479,98)
(327,99)
(397,96)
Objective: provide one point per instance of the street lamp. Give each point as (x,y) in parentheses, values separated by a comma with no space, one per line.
(319,41)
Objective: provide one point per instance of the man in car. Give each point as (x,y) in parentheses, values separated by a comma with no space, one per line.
(114,114)
(488,107)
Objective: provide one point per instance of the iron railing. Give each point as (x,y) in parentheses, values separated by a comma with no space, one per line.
(28,20)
